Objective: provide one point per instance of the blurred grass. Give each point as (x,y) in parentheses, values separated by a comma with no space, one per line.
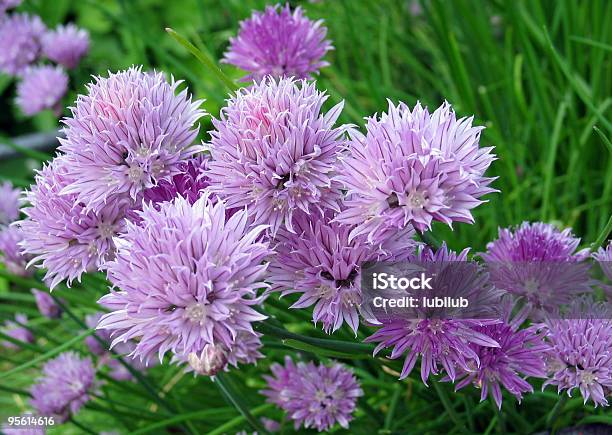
(537,74)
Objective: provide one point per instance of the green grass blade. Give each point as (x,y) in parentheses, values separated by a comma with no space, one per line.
(28,152)
(222,381)
(549,168)
(334,345)
(299,345)
(603,235)
(236,421)
(604,139)
(196,415)
(48,355)
(576,84)
(205,59)
(592,43)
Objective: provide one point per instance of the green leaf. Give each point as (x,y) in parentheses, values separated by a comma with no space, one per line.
(28,152)
(549,168)
(19,343)
(604,419)
(554,414)
(48,355)
(592,43)
(355,349)
(196,415)
(224,384)
(577,84)
(205,59)
(299,345)
(448,406)
(603,235)
(236,421)
(604,138)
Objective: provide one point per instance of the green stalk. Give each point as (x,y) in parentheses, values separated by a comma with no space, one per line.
(299,345)
(196,415)
(28,152)
(204,58)
(25,282)
(578,86)
(81,426)
(552,418)
(429,239)
(47,355)
(331,345)
(501,422)
(392,407)
(19,343)
(223,382)
(117,412)
(603,235)
(15,390)
(448,406)
(237,420)
(549,164)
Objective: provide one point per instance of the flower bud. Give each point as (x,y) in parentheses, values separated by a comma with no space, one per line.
(212,359)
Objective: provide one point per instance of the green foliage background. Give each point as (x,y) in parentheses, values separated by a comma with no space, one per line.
(537,74)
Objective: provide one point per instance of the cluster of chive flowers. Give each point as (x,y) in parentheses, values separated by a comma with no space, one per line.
(284,199)
(25,45)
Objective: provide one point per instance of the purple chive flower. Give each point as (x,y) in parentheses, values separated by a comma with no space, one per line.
(279,43)
(94,346)
(270,425)
(130,132)
(604,258)
(20,36)
(15,330)
(117,370)
(185,278)
(66,45)
(46,304)
(537,242)
(189,183)
(5,5)
(531,262)
(274,152)
(10,252)
(521,353)
(440,338)
(412,168)
(9,203)
(581,355)
(245,349)
(314,396)
(64,386)
(318,261)
(61,234)
(414,8)
(41,87)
